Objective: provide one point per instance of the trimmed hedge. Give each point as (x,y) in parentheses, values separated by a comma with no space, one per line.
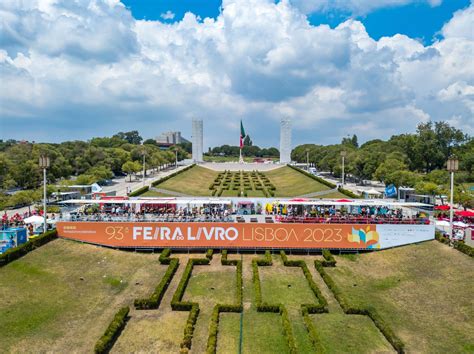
(316,178)
(15,253)
(459,245)
(311,328)
(154,301)
(322,305)
(178,305)
(209,253)
(462,247)
(348,193)
(112,332)
(139,191)
(329,260)
(275,308)
(218,308)
(388,333)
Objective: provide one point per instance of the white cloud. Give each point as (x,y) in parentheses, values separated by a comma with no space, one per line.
(356,7)
(168,15)
(76,70)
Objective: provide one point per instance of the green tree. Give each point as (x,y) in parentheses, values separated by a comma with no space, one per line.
(131,167)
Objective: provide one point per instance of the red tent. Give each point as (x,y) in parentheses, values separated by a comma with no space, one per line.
(441,207)
(299,200)
(465,213)
(344,200)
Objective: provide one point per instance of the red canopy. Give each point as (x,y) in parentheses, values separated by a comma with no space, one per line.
(344,200)
(465,213)
(442,207)
(299,200)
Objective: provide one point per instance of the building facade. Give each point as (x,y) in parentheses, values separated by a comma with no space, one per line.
(170,138)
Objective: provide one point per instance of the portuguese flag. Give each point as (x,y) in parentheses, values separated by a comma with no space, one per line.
(242,134)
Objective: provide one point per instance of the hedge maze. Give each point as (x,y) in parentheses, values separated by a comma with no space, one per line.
(242,184)
(297,317)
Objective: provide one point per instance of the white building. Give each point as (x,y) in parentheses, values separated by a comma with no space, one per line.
(170,138)
(197,140)
(285,141)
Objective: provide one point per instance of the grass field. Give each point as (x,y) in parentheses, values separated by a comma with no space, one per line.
(424,292)
(64,294)
(194,181)
(288,183)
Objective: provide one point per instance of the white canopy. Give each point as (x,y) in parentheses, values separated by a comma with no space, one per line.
(35,219)
(218,201)
(148,201)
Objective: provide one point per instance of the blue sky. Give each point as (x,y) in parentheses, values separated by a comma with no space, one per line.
(417,19)
(374,68)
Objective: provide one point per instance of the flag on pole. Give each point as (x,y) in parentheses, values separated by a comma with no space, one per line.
(242,134)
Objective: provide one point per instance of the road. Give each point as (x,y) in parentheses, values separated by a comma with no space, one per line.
(119,185)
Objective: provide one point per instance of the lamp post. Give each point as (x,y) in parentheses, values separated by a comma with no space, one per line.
(343,155)
(144,154)
(176,158)
(452,166)
(44,164)
(307,160)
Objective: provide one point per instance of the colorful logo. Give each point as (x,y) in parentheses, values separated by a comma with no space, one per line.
(367,238)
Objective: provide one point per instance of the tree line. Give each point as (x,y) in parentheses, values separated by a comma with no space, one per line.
(411,160)
(76,162)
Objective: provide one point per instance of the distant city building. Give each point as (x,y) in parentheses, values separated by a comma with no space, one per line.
(197,140)
(170,138)
(285,141)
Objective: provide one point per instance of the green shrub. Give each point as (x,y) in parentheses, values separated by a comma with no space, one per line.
(461,246)
(139,191)
(107,340)
(209,253)
(329,260)
(154,301)
(316,178)
(15,253)
(348,193)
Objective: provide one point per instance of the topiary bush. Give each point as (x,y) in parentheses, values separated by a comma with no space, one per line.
(154,301)
(329,260)
(112,332)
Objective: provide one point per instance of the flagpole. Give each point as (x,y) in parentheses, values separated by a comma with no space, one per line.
(241,160)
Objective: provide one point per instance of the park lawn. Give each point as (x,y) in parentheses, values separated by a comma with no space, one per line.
(291,183)
(289,287)
(194,181)
(333,195)
(64,294)
(360,335)
(423,291)
(208,286)
(152,193)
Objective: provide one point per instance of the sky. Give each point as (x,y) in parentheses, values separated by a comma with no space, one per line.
(80,69)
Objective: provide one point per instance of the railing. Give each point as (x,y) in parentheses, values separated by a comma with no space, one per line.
(353,220)
(146,218)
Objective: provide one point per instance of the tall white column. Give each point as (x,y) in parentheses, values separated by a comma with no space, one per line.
(285,141)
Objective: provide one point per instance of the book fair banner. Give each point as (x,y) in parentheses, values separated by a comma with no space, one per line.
(244,235)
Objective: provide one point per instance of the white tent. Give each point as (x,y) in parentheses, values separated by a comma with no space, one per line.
(35,219)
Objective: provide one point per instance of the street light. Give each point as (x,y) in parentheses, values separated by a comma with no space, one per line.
(307,159)
(176,158)
(343,155)
(144,154)
(452,166)
(44,164)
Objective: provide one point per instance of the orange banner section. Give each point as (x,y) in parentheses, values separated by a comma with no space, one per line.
(221,235)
